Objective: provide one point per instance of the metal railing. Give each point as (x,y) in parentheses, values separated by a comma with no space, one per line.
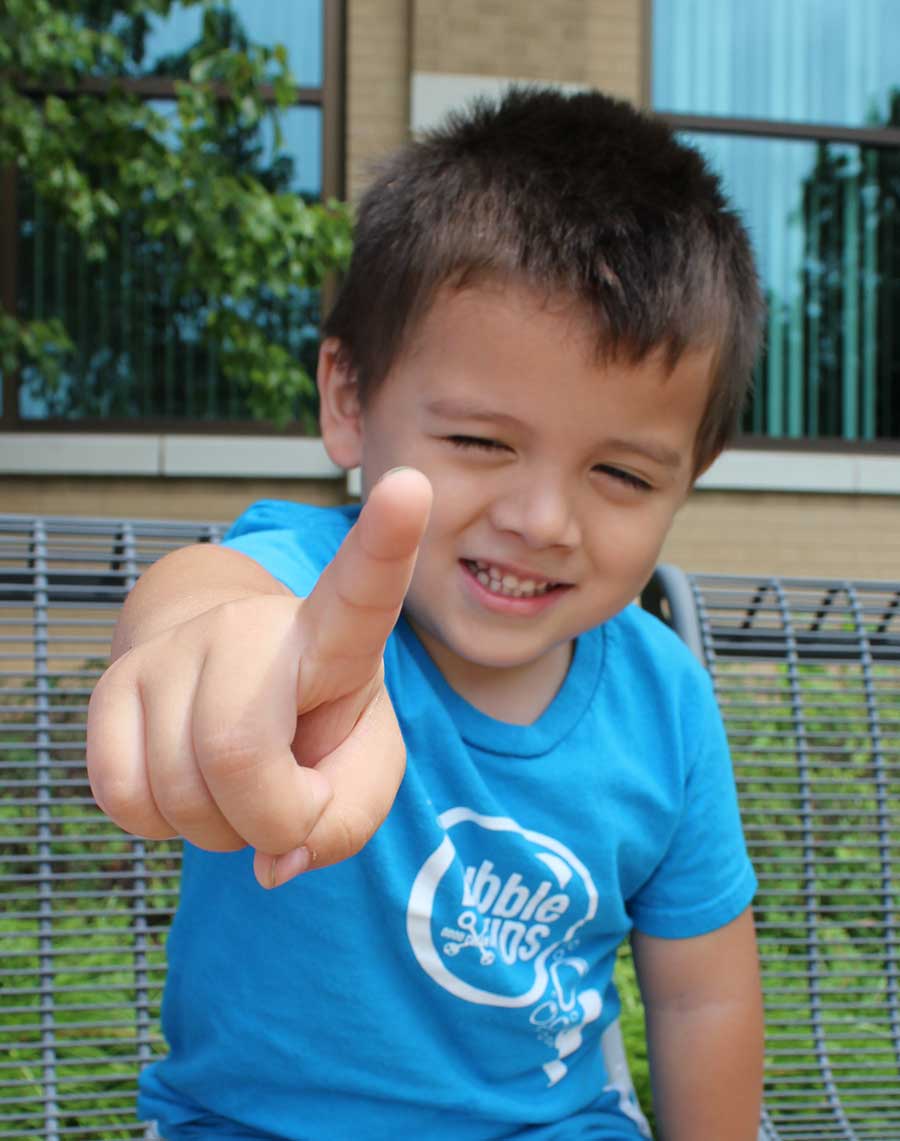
(807,675)
(84,909)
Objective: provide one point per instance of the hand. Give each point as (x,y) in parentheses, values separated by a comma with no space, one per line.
(264,720)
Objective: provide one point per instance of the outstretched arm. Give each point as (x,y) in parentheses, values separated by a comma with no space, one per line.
(705,1032)
(235,713)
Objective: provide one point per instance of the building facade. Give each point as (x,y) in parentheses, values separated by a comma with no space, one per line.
(813,486)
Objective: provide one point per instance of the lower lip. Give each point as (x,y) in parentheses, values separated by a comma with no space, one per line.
(505,603)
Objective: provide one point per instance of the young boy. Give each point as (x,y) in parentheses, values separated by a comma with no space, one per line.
(548,325)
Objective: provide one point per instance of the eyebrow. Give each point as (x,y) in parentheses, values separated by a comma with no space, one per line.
(470,410)
(659,453)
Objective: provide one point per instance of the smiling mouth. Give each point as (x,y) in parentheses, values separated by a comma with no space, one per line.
(505,583)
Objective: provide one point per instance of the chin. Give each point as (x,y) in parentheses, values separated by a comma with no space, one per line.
(501,657)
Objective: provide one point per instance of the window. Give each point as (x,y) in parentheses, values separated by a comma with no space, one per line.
(798,106)
(140,360)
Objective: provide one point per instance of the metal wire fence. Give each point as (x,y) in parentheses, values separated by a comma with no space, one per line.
(808,679)
(84,909)
(807,675)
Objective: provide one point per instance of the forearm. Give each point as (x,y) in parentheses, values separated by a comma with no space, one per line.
(703,1005)
(706,1067)
(183,585)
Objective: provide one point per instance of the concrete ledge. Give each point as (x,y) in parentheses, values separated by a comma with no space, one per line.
(828,472)
(219,457)
(433,94)
(78,453)
(246,456)
(298,457)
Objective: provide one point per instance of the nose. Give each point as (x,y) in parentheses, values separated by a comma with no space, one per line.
(541,512)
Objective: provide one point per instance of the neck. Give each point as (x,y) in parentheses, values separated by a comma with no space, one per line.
(515,694)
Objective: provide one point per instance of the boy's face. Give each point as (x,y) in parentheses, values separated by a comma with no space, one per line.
(556,477)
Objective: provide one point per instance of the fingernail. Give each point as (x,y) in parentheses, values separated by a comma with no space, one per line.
(288,865)
(390,471)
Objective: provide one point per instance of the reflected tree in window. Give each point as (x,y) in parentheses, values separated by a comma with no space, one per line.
(832,365)
(169,258)
(851,290)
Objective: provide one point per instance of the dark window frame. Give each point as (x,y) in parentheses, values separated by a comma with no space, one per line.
(887,138)
(329,98)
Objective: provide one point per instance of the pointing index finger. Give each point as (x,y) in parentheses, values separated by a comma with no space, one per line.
(347,618)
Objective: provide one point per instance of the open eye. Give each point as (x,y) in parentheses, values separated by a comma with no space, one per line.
(627,478)
(476,442)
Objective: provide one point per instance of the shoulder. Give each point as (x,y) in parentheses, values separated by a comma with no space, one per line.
(640,641)
(293,541)
(647,661)
(299,518)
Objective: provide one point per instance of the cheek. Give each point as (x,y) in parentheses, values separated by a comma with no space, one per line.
(630,540)
(453,527)
(460,496)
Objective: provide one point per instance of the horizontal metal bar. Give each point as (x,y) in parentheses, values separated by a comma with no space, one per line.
(64,1029)
(154,87)
(92,934)
(83,1062)
(68,1086)
(62,989)
(882,137)
(90,912)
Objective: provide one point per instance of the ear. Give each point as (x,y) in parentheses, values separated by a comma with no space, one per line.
(340,415)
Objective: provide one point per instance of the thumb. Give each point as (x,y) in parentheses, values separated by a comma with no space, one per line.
(346,620)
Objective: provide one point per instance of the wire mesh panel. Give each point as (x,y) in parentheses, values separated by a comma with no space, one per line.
(808,680)
(83,908)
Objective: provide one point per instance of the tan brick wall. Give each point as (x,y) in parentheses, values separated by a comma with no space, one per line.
(833,536)
(378,54)
(597,42)
(201,499)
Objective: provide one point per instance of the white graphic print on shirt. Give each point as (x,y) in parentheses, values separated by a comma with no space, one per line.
(492,917)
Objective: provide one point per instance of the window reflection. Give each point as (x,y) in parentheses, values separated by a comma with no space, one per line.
(825,223)
(814,61)
(295,23)
(140,350)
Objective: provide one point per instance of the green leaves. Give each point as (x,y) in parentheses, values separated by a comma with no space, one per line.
(194,181)
(44,344)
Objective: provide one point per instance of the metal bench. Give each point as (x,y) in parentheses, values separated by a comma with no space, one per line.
(808,679)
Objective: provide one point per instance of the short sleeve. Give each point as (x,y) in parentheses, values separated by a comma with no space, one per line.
(292,541)
(705,878)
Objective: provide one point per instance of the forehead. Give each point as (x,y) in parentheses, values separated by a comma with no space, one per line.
(512,322)
(499,304)
(507,354)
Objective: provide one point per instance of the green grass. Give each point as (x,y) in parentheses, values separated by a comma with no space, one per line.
(81,938)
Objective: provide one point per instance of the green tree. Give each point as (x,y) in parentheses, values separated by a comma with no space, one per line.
(178,229)
(848,306)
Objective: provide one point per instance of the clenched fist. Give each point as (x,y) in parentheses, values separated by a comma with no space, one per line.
(235,713)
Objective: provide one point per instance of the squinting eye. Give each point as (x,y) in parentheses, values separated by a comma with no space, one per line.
(475,442)
(624,477)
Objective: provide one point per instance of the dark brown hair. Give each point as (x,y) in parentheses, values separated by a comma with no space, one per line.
(580,195)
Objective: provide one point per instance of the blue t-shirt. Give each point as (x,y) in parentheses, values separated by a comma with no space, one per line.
(453,979)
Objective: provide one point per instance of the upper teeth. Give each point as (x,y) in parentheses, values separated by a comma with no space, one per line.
(503,582)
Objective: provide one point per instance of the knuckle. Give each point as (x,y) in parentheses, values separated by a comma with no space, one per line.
(186,811)
(111,798)
(117,799)
(228,753)
(230,615)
